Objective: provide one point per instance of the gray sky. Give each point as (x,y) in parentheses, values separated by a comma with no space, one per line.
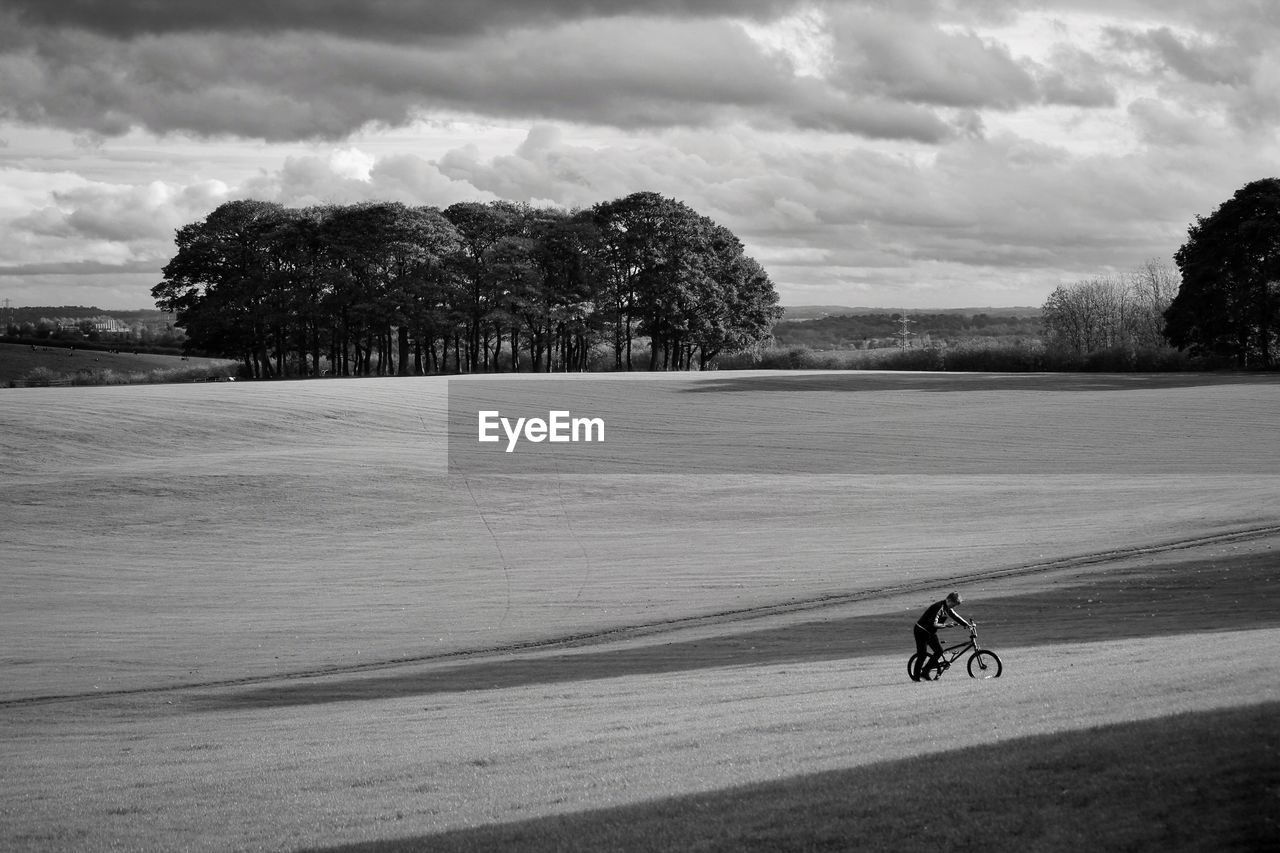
(915,153)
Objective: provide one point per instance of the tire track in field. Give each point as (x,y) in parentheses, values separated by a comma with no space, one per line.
(649,629)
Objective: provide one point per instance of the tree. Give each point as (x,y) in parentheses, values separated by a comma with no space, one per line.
(1229,301)
(218,282)
(481,229)
(387,269)
(679,279)
(562,311)
(429,284)
(302,321)
(677,285)
(631,251)
(1151,289)
(378,286)
(1124,315)
(1085,317)
(749,316)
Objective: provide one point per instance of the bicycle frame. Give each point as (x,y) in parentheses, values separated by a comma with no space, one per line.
(971,644)
(957,650)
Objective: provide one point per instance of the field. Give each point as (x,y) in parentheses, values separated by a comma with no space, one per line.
(287,616)
(18,360)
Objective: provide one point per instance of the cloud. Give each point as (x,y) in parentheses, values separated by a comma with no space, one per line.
(1008,210)
(889,75)
(118,214)
(76,268)
(104,287)
(61,223)
(1195,59)
(995,219)
(923,145)
(388,20)
(1004,203)
(624,72)
(1220,58)
(1163,125)
(907,59)
(921,71)
(304,181)
(1073,77)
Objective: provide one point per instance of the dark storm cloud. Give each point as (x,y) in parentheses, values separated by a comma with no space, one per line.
(394,20)
(628,73)
(321,69)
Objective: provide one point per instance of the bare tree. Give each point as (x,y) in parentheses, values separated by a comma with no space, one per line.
(1125,313)
(1086,316)
(1152,288)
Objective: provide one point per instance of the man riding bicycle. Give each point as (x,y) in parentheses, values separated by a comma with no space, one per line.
(926,631)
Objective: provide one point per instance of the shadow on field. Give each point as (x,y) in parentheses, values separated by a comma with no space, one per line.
(1236,592)
(956,382)
(1211,785)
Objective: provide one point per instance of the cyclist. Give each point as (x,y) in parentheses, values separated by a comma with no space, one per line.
(926,631)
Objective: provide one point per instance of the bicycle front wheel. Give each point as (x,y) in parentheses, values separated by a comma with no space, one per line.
(985,664)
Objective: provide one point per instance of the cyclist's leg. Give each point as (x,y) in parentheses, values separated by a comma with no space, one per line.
(922,650)
(935,650)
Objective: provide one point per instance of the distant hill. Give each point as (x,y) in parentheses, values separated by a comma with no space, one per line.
(813,312)
(877,328)
(35,313)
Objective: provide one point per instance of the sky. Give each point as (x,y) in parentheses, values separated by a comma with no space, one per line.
(904,154)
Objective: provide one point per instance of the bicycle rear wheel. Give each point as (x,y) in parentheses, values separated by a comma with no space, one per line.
(930,673)
(985,664)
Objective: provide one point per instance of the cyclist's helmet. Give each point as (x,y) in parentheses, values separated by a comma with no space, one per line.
(955,598)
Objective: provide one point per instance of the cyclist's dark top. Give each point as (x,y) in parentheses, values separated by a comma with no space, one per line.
(934,617)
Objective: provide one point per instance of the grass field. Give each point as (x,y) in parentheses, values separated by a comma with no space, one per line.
(18,360)
(267,616)
(1062,791)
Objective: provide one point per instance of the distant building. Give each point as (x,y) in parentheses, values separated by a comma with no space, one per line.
(62,324)
(110,326)
(155,325)
(107,326)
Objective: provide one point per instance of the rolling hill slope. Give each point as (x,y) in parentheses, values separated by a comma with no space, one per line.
(216,531)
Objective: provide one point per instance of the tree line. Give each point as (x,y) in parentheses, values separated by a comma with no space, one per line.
(1221,304)
(1118,313)
(381,288)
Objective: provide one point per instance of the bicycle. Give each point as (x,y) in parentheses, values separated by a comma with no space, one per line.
(983,663)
